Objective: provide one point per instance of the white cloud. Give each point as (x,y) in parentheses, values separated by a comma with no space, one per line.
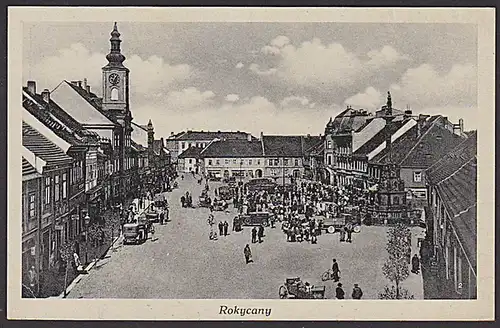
(316,65)
(256,69)
(240,65)
(253,114)
(369,99)
(295,101)
(148,76)
(424,87)
(232,98)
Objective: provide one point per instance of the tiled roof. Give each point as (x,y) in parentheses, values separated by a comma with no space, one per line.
(210,135)
(380,137)
(233,148)
(311,143)
(455,178)
(421,150)
(69,97)
(43,147)
(349,120)
(28,168)
(56,119)
(191,152)
(289,146)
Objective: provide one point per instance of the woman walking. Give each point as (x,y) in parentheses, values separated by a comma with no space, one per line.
(248,254)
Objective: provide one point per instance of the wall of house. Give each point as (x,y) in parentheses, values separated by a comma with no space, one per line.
(230,167)
(414,180)
(276,167)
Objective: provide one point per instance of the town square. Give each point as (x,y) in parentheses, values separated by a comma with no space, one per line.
(133,192)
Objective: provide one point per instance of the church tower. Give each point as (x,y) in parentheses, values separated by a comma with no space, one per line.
(115,79)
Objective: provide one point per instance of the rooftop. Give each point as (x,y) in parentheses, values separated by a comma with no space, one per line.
(380,137)
(421,149)
(210,135)
(191,152)
(43,147)
(233,148)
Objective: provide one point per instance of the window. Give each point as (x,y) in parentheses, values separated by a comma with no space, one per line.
(270,162)
(417,176)
(217,162)
(250,162)
(47,191)
(329,144)
(56,188)
(31,204)
(258,162)
(183,145)
(329,159)
(234,161)
(190,161)
(274,172)
(296,162)
(114,94)
(285,161)
(209,162)
(277,162)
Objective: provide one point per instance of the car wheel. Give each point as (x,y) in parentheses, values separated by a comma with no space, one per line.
(331,229)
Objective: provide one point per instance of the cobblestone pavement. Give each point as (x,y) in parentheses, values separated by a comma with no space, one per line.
(184,263)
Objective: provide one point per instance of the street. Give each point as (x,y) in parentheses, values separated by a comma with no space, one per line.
(184,263)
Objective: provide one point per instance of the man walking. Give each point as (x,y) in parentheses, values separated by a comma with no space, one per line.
(261,233)
(254,235)
(226,227)
(248,254)
(335,270)
(221,228)
(349,233)
(339,292)
(357,293)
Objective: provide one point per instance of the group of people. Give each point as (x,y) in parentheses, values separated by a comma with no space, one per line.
(223,228)
(187,200)
(357,293)
(257,233)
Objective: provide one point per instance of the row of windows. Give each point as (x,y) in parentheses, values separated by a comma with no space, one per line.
(60,189)
(186,145)
(286,162)
(271,162)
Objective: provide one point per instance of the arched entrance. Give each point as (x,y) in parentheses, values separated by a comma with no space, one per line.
(258,173)
(296,173)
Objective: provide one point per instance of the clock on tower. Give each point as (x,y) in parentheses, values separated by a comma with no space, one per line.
(115,79)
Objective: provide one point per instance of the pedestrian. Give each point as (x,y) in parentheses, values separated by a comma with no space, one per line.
(335,270)
(248,254)
(162,217)
(226,226)
(152,231)
(415,264)
(254,235)
(342,234)
(261,233)
(183,201)
(349,234)
(357,293)
(221,228)
(339,292)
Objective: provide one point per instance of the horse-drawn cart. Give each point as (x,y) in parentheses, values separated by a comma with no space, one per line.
(295,288)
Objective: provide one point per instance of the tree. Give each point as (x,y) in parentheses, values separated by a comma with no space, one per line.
(95,236)
(395,268)
(66,252)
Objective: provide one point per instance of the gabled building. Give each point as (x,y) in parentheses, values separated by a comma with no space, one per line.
(189,160)
(416,150)
(452,219)
(177,143)
(46,201)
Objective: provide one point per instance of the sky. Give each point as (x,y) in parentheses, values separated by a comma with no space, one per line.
(276,78)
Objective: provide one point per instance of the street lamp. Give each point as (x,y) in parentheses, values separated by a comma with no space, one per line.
(240,187)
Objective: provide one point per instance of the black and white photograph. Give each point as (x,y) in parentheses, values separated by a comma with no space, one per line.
(252,161)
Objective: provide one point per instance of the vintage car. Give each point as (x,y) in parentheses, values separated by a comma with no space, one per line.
(152,214)
(259,184)
(333,223)
(135,233)
(256,219)
(295,288)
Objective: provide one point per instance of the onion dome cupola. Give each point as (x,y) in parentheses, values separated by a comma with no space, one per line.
(115,57)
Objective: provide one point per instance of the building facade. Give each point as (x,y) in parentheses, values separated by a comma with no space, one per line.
(452,219)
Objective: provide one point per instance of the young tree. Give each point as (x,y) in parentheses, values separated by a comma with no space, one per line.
(395,267)
(95,236)
(66,252)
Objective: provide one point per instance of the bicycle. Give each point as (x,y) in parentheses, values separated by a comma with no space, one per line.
(328,275)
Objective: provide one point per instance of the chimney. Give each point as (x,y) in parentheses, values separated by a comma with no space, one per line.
(46,95)
(249,137)
(308,135)
(87,87)
(461,124)
(75,83)
(79,84)
(32,87)
(172,133)
(261,135)
(85,83)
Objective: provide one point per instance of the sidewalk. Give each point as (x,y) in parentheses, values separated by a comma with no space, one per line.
(90,266)
(414,283)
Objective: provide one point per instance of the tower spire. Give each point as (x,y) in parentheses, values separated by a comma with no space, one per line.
(115,57)
(389,100)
